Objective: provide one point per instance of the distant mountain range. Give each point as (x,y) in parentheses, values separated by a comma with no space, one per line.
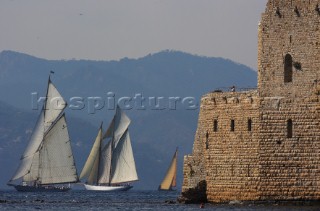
(155,131)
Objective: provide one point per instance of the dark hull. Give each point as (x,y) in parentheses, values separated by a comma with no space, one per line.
(24,188)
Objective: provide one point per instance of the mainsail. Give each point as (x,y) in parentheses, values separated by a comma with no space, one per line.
(111,158)
(56,159)
(124,169)
(48,158)
(169,180)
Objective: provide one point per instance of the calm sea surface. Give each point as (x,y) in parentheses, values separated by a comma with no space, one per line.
(130,200)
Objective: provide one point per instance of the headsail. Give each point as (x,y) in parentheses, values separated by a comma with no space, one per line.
(33,174)
(26,159)
(170,179)
(90,169)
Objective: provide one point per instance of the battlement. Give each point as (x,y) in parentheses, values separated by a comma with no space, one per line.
(306,6)
(216,99)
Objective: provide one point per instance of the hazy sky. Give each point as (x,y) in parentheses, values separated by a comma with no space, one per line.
(113,29)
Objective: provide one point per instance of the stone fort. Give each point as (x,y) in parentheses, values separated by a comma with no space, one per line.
(264,144)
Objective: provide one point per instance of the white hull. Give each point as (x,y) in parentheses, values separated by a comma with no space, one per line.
(107,188)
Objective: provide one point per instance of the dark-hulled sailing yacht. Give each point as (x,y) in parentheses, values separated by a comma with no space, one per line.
(47,163)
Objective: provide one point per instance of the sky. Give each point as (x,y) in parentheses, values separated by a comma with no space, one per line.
(114,29)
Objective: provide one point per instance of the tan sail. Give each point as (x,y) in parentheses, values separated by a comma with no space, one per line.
(169,180)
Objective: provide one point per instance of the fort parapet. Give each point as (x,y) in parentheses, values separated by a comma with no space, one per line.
(264,144)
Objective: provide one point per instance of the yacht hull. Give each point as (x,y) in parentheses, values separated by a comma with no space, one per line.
(107,188)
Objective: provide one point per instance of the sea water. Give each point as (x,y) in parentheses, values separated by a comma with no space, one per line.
(129,200)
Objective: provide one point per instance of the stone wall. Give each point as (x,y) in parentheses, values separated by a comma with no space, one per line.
(231,148)
(227,159)
(289,165)
(289,41)
(278,157)
(193,168)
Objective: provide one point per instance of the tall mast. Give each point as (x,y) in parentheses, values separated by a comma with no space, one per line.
(44,108)
(100,151)
(112,147)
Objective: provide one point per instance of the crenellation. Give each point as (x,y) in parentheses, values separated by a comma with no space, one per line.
(264,144)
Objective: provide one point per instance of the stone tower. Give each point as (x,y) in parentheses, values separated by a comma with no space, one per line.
(288,55)
(264,144)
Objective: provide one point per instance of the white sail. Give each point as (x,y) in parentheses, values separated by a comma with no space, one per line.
(48,157)
(54,105)
(33,145)
(121,124)
(33,174)
(116,161)
(105,165)
(93,157)
(123,165)
(93,176)
(110,130)
(56,159)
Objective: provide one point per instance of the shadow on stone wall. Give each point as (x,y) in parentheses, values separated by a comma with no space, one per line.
(195,195)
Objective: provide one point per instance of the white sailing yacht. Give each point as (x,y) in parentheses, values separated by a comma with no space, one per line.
(110,165)
(170,179)
(47,163)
